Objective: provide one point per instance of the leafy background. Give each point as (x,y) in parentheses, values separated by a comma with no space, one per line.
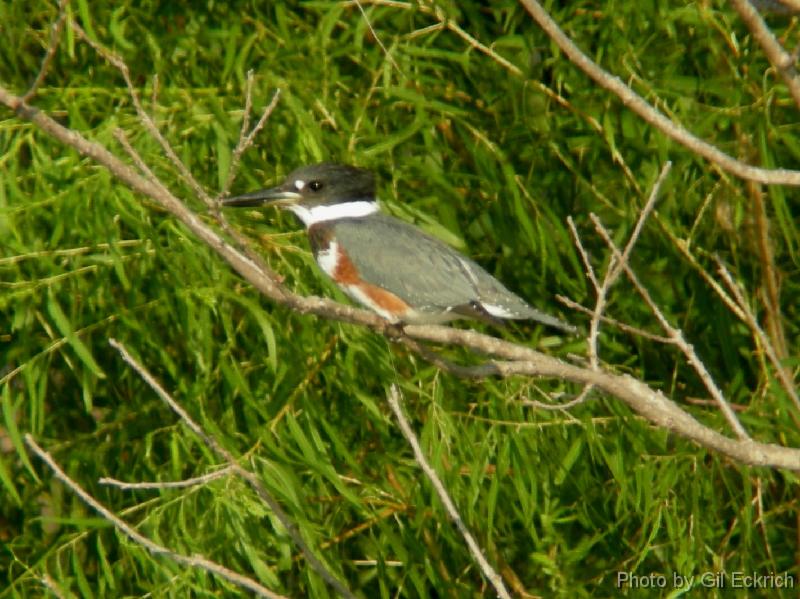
(493,160)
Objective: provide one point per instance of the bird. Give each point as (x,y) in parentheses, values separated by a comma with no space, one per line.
(386,264)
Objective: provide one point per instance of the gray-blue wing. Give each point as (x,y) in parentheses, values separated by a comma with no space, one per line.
(416,267)
(428,274)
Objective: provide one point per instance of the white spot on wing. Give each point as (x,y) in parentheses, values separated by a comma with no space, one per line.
(497,311)
(311,215)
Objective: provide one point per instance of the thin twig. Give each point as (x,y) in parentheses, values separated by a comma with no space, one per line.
(450,24)
(683,248)
(492,576)
(615,267)
(675,334)
(578,399)
(643,215)
(313,561)
(783,373)
(378,39)
(614,322)
(641,107)
(170,484)
(587,263)
(193,561)
(123,140)
(601,289)
(154,93)
(52,46)
(594,324)
(246,136)
(761,518)
(145,119)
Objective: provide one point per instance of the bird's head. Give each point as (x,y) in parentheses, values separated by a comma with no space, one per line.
(318,192)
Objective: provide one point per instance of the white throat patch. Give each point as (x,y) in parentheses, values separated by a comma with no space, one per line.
(318,214)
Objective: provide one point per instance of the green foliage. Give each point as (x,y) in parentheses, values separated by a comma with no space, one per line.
(491,160)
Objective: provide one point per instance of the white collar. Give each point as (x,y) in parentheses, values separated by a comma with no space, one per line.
(318,214)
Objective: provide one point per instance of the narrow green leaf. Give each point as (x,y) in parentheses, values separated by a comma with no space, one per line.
(65,328)
(10,418)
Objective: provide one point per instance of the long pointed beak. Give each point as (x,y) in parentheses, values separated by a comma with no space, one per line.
(279,196)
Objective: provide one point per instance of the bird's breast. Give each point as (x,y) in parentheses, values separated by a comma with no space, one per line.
(334,261)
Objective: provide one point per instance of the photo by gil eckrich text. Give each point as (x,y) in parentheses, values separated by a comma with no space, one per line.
(734,579)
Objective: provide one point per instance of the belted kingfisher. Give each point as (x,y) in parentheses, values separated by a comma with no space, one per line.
(388,265)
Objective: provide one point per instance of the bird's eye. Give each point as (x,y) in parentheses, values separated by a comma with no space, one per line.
(315,185)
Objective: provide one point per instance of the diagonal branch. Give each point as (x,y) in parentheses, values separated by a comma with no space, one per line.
(641,107)
(514,359)
(144,118)
(194,561)
(494,578)
(780,58)
(262,492)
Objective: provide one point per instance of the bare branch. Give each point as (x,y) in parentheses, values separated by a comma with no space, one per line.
(172,484)
(313,561)
(640,106)
(780,58)
(658,409)
(676,335)
(602,289)
(492,576)
(518,360)
(144,117)
(246,136)
(193,561)
(616,266)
